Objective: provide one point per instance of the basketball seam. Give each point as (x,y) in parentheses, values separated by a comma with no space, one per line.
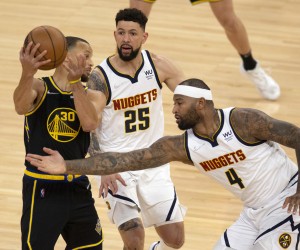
(34,43)
(53,48)
(65,44)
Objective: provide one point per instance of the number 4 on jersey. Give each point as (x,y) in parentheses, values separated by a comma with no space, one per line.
(233,178)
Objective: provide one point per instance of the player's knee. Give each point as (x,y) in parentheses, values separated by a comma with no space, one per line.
(229,23)
(175,236)
(133,234)
(133,243)
(175,242)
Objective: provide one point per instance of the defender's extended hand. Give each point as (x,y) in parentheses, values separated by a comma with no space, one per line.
(110,182)
(292,203)
(52,164)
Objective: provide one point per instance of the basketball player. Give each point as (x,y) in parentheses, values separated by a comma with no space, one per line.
(59,112)
(237,147)
(131,81)
(237,36)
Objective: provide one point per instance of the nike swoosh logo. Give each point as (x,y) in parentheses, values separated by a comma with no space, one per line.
(52,93)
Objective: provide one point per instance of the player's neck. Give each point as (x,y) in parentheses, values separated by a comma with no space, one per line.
(61,80)
(127,67)
(209,125)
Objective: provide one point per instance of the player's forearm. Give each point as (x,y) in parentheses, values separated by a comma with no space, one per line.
(24,95)
(94,147)
(110,162)
(85,109)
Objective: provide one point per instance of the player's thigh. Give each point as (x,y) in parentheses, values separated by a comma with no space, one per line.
(158,199)
(83,228)
(240,235)
(220,246)
(124,205)
(84,235)
(44,213)
(123,213)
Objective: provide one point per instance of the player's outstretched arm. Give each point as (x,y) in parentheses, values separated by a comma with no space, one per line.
(164,150)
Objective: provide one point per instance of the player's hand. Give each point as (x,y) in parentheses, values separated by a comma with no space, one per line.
(30,62)
(292,203)
(75,66)
(110,182)
(52,164)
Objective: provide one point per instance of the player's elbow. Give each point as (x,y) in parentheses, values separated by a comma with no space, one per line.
(90,126)
(21,110)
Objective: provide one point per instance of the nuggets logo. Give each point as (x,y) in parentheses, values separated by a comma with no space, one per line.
(63,124)
(285,240)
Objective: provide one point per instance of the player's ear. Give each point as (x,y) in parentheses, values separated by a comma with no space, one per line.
(200,103)
(145,37)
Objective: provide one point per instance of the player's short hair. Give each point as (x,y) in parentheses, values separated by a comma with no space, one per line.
(132,14)
(194,82)
(72,40)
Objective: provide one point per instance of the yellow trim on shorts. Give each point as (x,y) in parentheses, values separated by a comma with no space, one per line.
(194,2)
(69,177)
(31,214)
(149,1)
(91,245)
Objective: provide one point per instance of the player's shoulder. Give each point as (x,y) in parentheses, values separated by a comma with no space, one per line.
(39,84)
(246,115)
(245,111)
(159,60)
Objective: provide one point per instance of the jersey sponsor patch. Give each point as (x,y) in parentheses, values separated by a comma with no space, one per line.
(228,135)
(149,74)
(52,93)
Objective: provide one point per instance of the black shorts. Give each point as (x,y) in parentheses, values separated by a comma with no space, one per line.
(51,208)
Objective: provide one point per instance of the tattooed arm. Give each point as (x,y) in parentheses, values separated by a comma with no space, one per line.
(164,150)
(253,125)
(97,82)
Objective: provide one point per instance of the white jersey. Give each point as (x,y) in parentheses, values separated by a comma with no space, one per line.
(133,117)
(254,172)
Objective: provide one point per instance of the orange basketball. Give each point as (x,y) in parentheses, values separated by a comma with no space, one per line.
(52,40)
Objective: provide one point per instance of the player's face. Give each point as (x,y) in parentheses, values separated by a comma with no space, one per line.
(185,112)
(129,37)
(88,53)
(85,51)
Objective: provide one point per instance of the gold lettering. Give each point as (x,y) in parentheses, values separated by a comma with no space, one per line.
(241,155)
(217,162)
(205,166)
(117,105)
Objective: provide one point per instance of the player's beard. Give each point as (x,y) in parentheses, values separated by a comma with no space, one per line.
(84,78)
(189,120)
(133,54)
